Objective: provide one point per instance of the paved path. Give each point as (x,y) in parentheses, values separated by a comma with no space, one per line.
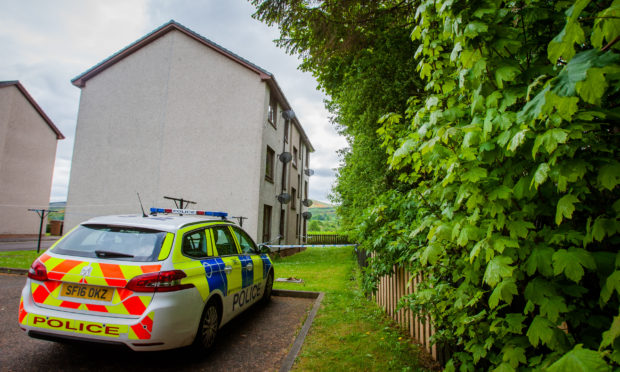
(257,340)
(6,246)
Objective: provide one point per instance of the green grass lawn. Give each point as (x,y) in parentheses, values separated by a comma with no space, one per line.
(18,259)
(349,331)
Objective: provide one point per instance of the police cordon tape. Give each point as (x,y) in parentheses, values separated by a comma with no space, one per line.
(274,248)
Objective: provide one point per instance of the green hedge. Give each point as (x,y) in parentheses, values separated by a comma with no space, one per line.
(509,200)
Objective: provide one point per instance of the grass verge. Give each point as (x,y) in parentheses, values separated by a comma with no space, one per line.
(349,332)
(18,259)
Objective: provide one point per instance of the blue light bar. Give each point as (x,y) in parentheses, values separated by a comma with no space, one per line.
(189,212)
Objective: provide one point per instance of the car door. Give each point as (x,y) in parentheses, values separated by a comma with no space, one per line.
(226,249)
(255,268)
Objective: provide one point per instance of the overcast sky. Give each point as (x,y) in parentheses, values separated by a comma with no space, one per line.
(47,43)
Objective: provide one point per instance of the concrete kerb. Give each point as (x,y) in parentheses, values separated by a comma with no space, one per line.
(10,270)
(288,362)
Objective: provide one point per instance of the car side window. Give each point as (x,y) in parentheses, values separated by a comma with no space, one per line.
(224,242)
(245,242)
(195,244)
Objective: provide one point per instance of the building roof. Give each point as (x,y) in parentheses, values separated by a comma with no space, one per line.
(80,80)
(34,104)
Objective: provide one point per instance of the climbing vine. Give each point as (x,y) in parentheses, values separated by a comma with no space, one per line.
(501,172)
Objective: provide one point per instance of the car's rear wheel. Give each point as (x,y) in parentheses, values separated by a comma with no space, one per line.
(209,324)
(268,289)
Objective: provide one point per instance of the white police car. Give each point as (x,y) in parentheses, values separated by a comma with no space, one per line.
(151,283)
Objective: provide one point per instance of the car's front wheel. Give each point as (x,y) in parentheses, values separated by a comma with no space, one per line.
(209,324)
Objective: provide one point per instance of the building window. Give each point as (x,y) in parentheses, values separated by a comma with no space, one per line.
(266,223)
(306,190)
(298,186)
(286,124)
(293,197)
(282,220)
(297,225)
(284,179)
(294,156)
(272,115)
(307,158)
(269,166)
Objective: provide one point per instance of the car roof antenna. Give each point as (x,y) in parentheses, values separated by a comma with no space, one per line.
(141,207)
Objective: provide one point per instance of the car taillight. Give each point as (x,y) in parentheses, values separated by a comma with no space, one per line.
(163,281)
(37,271)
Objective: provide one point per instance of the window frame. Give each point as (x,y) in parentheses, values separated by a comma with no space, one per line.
(272,111)
(231,241)
(270,164)
(239,233)
(293,197)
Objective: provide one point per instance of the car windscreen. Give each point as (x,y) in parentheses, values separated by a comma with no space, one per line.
(112,242)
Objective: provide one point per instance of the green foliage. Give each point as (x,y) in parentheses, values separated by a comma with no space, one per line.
(499,177)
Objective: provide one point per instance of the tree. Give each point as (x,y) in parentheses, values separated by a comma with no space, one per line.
(501,177)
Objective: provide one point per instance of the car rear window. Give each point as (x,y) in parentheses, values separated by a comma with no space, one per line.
(112,242)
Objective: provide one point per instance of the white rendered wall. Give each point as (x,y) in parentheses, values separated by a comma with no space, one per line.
(27,153)
(175,118)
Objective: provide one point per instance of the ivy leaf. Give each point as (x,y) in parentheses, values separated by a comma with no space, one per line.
(505,290)
(498,268)
(505,73)
(604,226)
(565,207)
(609,175)
(517,139)
(610,335)
(580,360)
(474,175)
(513,355)
(571,262)
(577,70)
(540,259)
(551,307)
(606,25)
(541,330)
(540,176)
(515,323)
(612,283)
(563,45)
(431,254)
(519,229)
(550,140)
(473,29)
(592,89)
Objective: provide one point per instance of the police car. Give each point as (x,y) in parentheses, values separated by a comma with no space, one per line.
(154,282)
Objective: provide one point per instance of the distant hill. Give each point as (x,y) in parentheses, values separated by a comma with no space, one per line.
(57,211)
(323,217)
(320,204)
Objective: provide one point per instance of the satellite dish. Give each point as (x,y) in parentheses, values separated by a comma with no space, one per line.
(307,202)
(288,114)
(309,172)
(285,157)
(306,215)
(284,198)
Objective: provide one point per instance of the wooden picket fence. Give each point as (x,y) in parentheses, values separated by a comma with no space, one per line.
(327,239)
(390,289)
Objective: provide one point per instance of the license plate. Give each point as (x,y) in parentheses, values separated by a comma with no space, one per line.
(88,292)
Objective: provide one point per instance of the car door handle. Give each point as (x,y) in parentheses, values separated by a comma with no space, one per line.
(227,269)
(249,266)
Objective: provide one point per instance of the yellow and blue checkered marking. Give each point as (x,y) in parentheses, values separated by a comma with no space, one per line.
(216,276)
(266,264)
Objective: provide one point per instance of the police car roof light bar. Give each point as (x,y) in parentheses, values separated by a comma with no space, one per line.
(189,212)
